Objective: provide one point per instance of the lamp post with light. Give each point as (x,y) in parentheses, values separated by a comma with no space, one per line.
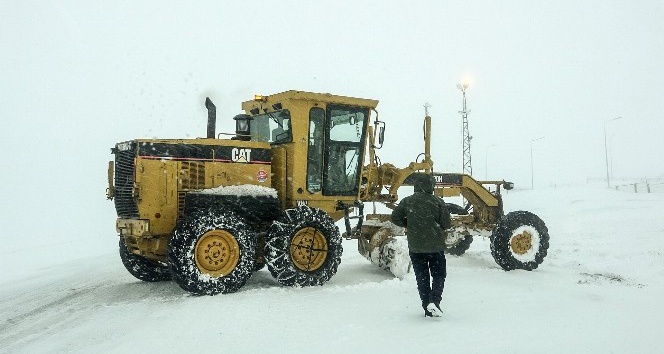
(467,164)
(606,152)
(532,174)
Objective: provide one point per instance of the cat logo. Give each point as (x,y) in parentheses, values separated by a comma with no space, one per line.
(302,202)
(241,155)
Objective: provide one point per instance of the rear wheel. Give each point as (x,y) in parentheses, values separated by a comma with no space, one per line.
(303,247)
(212,252)
(142,268)
(520,241)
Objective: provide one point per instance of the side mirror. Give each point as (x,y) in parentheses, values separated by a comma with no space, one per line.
(508,185)
(380,127)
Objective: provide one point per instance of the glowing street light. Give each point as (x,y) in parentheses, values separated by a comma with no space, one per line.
(532,174)
(606,151)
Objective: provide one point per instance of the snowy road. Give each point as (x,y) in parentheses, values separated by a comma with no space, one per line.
(598,291)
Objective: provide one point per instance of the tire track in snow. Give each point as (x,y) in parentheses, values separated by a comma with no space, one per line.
(27,315)
(39,321)
(33,314)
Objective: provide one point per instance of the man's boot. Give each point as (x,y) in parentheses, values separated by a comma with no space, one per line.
(427,313)
(434,310)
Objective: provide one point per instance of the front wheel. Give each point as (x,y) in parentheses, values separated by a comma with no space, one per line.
(212,252)
(303,247)
(456,209)
(520,241)
(456,243)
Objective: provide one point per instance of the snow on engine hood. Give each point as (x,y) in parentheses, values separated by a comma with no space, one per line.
(245,189)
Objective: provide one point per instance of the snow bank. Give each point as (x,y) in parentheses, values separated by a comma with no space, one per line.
(599,290)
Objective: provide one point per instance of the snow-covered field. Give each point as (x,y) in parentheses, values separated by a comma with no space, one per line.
(599,290)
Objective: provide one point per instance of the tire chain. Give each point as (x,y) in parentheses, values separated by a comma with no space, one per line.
(181,253)
(277,248)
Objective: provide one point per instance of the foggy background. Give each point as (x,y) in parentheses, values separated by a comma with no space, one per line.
(77,77)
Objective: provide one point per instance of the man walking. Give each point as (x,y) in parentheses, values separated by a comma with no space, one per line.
(425,218)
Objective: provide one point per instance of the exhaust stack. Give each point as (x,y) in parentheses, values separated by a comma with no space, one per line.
(212,118)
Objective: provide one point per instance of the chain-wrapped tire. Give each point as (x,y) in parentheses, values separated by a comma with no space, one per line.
(142,268)
(457,244)
(303,247)
(212,252)
(456,209)
(520,241)
(461,246)
(260,254)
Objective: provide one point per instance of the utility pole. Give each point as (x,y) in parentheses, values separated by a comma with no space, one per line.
(606,152)
(467,161)
(532,169)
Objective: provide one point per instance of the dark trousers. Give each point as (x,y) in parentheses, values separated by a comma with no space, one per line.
(430,272)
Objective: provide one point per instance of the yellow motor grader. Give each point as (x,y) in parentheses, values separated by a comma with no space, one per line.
(209,212)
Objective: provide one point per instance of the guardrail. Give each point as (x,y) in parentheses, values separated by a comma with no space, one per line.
(642,187)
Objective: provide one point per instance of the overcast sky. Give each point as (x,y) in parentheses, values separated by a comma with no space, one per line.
(79,76)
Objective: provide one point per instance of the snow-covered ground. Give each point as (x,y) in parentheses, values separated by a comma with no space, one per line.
(599,290)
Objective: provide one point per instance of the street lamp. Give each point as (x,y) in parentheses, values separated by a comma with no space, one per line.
(486,158)
(606,152)
(532,174)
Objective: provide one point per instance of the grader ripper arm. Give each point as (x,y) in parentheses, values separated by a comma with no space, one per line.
(487,206)
(376,178)
(519,240)
(378,238)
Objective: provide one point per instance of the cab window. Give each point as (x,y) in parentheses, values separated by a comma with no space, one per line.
(315,149)
(273,127)
(344,149)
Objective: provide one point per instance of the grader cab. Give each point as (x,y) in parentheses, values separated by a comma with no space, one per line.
(208,212)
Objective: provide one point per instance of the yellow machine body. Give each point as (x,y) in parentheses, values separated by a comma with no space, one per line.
(207,212)
(161,172)
(293,162)
(151,177)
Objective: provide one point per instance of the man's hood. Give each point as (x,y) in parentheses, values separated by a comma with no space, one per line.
(423,182)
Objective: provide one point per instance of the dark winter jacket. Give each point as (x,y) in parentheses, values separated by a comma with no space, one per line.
(424,216)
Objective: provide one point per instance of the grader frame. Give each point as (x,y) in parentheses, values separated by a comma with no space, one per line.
(208,212)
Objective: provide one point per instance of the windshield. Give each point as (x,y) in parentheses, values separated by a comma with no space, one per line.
(273,127)
(346,124)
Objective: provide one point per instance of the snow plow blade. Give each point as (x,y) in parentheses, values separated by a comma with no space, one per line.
(384,244)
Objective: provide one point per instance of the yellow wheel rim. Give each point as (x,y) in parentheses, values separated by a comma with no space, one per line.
(308,249)
(217,253)
(522,243)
